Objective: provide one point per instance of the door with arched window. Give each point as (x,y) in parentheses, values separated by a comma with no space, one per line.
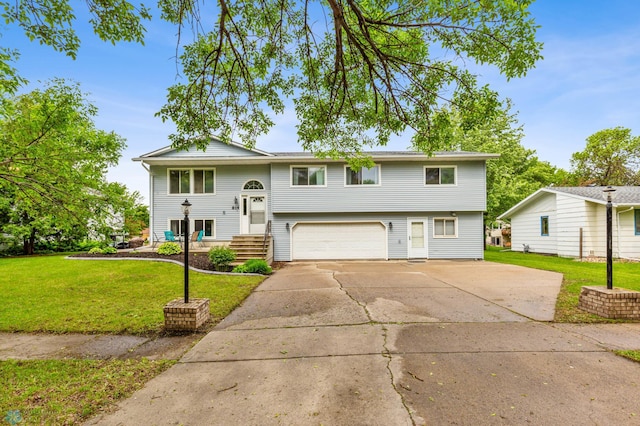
(253,208)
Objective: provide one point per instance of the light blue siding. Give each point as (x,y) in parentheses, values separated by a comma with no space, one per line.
(214,149)
(401,194)
(228,185)
(468,245)
(402,189)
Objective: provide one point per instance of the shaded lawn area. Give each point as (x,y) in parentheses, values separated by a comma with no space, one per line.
(576,275)
(68,392)
(58,295)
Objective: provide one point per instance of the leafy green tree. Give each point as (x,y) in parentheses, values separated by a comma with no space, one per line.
(53,164)
(611,157)
(517,173)
(356,71)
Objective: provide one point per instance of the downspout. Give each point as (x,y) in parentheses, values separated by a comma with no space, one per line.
(618,230)
(151,234)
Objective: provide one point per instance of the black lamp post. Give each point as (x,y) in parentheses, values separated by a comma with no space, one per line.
(186,208)
(608,194)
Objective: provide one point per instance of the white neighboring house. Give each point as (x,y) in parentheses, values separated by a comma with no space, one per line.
(571,222)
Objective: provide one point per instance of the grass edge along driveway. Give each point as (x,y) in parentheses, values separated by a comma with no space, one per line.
(576,274)
(57,295)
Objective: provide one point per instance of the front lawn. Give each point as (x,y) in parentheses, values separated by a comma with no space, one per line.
(576,275)
(57,392)
(57,295)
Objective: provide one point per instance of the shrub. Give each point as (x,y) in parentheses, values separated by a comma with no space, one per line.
(240,269)
(221,257)
(253,266)
(96,250)
(169,248)
(109,250)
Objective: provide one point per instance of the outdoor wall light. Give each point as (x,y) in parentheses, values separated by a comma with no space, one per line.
(454,214)
(236,205)
(287,226)
(390,226)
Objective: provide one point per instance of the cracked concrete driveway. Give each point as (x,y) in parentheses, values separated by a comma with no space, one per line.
(396,343)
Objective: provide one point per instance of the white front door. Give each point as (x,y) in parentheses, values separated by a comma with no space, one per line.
(417,238)
(253,214)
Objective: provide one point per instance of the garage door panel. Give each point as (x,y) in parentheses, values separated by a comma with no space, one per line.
(311,241)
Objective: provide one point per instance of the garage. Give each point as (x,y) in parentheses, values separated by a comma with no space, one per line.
(338,240)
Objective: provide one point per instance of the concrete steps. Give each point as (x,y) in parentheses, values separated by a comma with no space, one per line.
(249,247)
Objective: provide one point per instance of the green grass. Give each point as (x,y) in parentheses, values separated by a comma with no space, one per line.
(70,391)
(58,295)
(576,275)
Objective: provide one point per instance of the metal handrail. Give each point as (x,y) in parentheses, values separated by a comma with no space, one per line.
(267,232)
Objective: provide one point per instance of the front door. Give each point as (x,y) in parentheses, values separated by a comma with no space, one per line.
(417,238)
(254,214)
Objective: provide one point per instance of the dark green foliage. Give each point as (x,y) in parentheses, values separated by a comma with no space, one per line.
(253,266)
(221,257)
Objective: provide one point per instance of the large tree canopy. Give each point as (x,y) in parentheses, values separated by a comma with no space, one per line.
(611,157)
(356,71)
(517,173)
(53,163)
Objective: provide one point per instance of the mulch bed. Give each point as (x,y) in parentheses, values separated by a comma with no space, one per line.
(196,260)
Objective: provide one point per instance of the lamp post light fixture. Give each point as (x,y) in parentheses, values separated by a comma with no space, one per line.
(186,209)
(609,193)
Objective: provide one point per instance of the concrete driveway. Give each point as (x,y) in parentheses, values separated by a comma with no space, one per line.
(396,343)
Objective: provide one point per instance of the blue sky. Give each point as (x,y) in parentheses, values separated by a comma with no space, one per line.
(589,80)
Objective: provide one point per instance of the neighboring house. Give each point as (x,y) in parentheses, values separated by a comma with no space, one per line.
(571,222)
(495,234)
(408,205)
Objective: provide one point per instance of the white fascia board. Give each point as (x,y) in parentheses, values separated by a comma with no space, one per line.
(306,159)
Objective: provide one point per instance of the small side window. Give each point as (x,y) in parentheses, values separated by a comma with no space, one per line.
(544,226)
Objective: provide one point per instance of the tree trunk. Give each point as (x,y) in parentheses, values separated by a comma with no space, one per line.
(28,247)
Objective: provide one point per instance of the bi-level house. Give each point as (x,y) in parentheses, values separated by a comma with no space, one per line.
(408,205)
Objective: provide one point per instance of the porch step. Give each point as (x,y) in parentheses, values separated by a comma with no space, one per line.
(249,247)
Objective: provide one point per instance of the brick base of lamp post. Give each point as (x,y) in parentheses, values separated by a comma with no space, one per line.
(180,316)
(615,303)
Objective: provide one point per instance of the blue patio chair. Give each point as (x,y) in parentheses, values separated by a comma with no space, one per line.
(169,236)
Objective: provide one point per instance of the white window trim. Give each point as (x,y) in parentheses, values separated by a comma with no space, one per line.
(192,226)
(435,166)
(362,185)
(455,226)
(168,228)
(294,166)
(191,181)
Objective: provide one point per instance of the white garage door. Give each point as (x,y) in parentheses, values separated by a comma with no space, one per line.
(358,240)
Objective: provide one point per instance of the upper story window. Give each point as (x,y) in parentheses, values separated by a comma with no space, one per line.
(364,176)
(253,185)
(308,176)
(544,226)
(192,181)
(440,175)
